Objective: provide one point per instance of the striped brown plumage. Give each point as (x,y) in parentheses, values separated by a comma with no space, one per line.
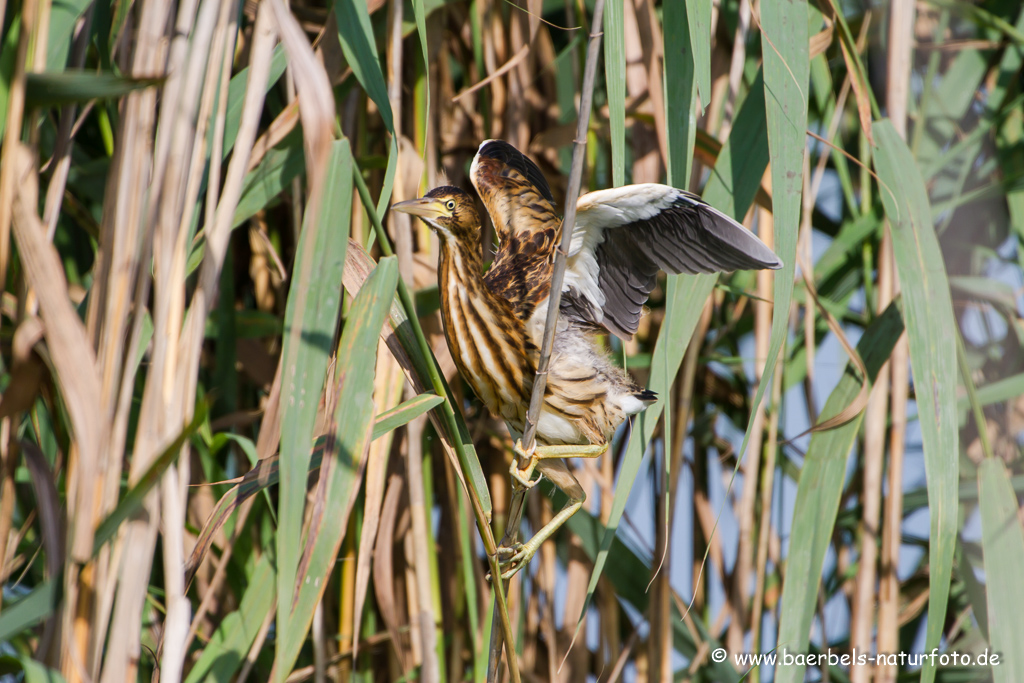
(494,323)
(488,345)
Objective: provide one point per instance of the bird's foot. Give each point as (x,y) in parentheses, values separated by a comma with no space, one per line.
(524,476)
(513,558)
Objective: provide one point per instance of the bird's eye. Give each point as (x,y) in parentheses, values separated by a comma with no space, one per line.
(450,204)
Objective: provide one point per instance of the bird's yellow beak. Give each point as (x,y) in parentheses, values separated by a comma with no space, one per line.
(424,207)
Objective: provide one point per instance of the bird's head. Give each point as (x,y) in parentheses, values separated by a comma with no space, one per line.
(448,210)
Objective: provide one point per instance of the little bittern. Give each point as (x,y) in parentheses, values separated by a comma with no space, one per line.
(494,323)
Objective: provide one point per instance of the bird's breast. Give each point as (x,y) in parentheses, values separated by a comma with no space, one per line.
(486,340)
(497,354)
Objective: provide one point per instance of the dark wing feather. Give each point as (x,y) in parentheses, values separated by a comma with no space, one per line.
(623,236)
(514,191)
(501,151)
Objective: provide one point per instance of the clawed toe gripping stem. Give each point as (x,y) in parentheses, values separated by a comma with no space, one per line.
(513,558)
(523,476)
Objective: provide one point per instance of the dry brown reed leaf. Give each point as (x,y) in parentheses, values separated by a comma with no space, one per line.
(405,573)
(358,265)
(217,234)
(278,129)
(220,117)
(61,159)
(121,285)
(52,525)
(860,401)
(27,370)
(422,609)
(212,589)
(9,167)
(215,83)
(740,590)
(651,43)
(209,40)
(316,99)
(387,393)
(821,40)
(383,570)
(861,90)
(68,344)
(739,53)
(270,430)
(320,503)
(900,56)
(167,397)
(240,500)
(266,446)
(497,74)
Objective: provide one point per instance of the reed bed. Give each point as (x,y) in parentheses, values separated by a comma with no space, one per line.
(234,443)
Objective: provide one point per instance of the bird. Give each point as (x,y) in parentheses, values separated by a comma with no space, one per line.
(494,321)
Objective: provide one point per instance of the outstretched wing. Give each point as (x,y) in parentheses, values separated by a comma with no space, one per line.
(623,236)
(513,190)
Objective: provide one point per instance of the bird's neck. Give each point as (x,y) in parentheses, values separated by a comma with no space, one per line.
(459,272)
(463,258)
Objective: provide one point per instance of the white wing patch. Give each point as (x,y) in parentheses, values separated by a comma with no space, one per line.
(623,236)
(602,210)
(623,205)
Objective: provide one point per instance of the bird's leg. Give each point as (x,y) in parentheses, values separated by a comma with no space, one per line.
(551,465)
(523,475)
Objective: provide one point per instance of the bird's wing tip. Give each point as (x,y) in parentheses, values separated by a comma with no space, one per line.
(495,149)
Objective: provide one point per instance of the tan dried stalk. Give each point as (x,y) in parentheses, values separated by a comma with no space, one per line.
(765,526)
(744,572)
(70,351)
(422,611)
(660,608)
(257,645)
(400,224)
(875,423)
(179,159)
(739,55)
(61,160)
(12,133)
(387,392)
(162,413)
(8,169)
(901,40)
(173,488)
(119,282)
(608,606)
(651,42)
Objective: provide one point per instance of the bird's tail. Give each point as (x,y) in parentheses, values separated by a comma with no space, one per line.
(646,395)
